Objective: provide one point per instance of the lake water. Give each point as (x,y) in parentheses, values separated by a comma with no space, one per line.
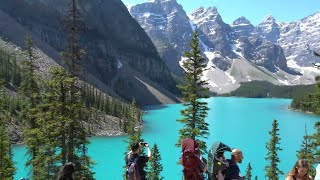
(238,122)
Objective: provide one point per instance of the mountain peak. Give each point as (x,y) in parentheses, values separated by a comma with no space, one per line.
(203,12)
(200,10)
(212,10)
(241,20)
(314,17)
(269,19)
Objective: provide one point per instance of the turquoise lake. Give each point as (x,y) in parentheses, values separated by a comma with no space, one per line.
(238,122)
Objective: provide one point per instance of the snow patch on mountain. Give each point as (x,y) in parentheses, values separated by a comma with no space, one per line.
(236,48)
(119,64)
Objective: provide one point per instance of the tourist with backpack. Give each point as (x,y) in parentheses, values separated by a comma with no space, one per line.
(217,163)
(191,160)
(136,163)
(233,171)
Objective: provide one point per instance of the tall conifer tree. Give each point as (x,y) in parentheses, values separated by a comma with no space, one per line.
(248,172)
(306,152)
(7,169)
(30,92)
(155,166)
(311,144)
(273,147)
(133,132)
(193,92)
(75,138)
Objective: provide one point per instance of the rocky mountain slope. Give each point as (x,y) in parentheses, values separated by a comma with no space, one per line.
(120,58)
(280,53)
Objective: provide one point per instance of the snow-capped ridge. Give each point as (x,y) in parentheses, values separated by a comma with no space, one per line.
(241,21)
(269,19)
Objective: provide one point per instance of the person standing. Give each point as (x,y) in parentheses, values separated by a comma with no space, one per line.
(136,163)
(191,160)
(233,171)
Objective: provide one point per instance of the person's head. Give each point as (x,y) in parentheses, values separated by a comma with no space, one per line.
(236,155)
(300,169)
(191,145)
(67,170)
(135,148)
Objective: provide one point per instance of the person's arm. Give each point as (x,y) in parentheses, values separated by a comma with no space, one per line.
(289,178)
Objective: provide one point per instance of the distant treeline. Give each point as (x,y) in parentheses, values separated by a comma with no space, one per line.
(263,89)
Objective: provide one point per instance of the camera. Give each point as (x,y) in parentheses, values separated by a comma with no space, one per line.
(143,143)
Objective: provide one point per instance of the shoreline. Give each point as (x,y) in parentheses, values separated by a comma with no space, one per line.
(98,134)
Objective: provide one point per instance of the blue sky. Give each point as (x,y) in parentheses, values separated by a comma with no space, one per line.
(254,10)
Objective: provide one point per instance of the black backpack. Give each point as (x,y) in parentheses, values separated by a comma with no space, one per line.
(214,163)
(133,172)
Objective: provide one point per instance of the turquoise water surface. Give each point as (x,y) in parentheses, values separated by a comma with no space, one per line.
(238,122)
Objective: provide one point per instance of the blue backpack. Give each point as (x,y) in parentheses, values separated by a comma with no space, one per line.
(133,172)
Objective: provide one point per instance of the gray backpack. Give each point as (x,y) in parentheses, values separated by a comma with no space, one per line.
(133,172)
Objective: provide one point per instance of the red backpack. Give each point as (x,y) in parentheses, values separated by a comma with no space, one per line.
(190,162)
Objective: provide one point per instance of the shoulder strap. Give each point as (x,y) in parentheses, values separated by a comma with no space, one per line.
(132,159)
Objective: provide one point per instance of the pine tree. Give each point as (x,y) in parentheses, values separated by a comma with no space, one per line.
(155,166)
(76,136)
(195,112)
(311,145)
(133,132)
(272,170)
(306,152)
(7,169)
(30,91)
(248,173)
(74,25)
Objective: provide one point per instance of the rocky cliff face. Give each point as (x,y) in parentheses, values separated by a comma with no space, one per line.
(168,26)
(268,29)
(113,40)
(298,40)
(242,27)
(276,50)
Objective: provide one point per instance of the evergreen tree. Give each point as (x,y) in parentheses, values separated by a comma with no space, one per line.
(72,113)
(310,148)
(272,170)
(248,173)
(134,133)
(75,142)
(195,112)
(30,91)
(306,152)
(74,25)
(7,169)
(155,166)
(9,70)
